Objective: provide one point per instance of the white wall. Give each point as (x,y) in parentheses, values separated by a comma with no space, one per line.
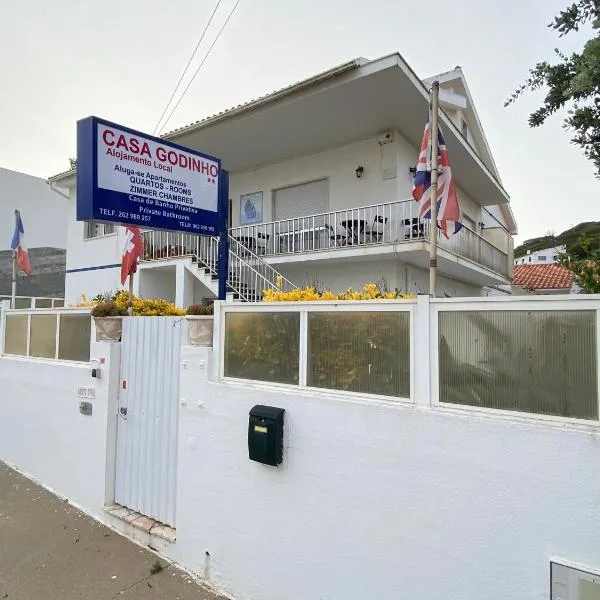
(43,433)
(43,211)
(379,500)
(337,165)
(157,283)
(355,273)
(97,256)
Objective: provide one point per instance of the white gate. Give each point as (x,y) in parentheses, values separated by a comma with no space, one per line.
(146,470)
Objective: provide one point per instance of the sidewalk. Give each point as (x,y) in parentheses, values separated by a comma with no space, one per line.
(51,551)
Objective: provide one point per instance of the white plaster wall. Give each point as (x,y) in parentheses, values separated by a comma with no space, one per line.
(378,500)
(91,254)
(157,283)
(336,165)
(43,433)
(43,211)
(355,273)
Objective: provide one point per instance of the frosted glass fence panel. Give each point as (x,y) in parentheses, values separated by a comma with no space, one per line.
(74,333)
(529,361)
(42,336)
(74,337)
(262,346)
(365,352)
(15,335)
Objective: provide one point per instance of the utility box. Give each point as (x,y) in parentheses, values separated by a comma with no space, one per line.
(265,435)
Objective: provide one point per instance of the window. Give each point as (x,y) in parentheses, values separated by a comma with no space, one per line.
(94,229)
(541,258)
(302,200)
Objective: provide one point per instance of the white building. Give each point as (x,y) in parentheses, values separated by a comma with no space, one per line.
(320,191)
(547,256)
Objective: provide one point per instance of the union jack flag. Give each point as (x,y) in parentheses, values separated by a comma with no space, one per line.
(448,214)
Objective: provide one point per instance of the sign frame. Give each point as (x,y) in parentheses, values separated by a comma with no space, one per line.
(105,205)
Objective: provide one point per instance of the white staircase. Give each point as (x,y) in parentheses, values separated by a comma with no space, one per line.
(249,275)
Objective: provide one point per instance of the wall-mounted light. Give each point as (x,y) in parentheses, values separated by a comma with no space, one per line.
(359,171)
(412,171)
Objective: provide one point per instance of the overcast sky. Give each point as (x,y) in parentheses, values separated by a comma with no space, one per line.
(120,59)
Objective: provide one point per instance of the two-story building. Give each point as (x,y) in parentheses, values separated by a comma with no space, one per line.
(321,174)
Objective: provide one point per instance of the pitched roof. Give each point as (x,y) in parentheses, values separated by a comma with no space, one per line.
(542,277)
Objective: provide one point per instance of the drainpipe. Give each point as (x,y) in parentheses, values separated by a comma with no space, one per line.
(57,191)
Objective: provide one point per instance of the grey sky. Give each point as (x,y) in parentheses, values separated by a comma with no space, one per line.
(120,59)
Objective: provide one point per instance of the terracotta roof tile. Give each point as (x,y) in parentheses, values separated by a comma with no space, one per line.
(542,277)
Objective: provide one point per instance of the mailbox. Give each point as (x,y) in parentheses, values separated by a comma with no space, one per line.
(265,435)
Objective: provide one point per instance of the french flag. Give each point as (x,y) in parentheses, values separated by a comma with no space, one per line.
(18,246)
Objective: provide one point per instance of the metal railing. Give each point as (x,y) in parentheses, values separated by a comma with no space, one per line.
(468,244)
(387,223)
(249,275)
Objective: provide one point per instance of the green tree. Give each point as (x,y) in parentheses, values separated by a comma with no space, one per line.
(573,82)
(584,263)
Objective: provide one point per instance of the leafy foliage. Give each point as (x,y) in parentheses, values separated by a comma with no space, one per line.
(108,309)
(370,291)
(573,82)
(585,266)
(200,309)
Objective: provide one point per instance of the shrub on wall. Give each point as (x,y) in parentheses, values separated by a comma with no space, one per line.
(370,291)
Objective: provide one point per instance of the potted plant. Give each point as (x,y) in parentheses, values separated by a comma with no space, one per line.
(200,324)
(107,318)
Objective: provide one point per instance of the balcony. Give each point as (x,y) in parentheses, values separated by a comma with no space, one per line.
(371,227)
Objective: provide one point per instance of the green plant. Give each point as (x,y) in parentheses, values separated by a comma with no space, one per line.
(200,309)
(156,568)
(585,266)
(108,309)
(148,307)
(572,82)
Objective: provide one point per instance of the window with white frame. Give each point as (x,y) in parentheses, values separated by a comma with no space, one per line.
(94,229)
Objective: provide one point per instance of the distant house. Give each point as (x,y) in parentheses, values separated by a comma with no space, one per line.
(547,256)
(45,217)
(542,279)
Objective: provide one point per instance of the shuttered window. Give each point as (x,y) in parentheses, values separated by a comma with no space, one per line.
(302,200)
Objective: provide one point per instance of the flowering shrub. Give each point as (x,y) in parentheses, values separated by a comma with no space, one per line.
(109,304)
(370,291)
(148,307)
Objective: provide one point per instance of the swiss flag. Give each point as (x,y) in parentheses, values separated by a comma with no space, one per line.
(133,249)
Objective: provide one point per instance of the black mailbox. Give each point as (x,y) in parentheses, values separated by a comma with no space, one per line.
(265,435)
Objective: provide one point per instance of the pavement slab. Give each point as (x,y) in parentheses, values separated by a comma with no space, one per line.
(50,550)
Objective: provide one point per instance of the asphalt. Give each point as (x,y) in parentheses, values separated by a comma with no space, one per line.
(49,550)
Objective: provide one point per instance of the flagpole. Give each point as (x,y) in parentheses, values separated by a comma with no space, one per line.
(14,269)
(433,229)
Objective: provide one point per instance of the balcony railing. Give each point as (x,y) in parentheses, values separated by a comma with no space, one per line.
(388,223)
(367,226)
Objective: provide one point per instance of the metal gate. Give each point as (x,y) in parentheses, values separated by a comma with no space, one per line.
(146,469)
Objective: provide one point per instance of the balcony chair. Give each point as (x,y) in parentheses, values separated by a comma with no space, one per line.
(335,239)
(375,232)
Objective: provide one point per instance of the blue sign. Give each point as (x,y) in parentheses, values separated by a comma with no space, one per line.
(128,177)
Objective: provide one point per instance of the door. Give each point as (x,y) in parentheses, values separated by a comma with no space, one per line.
(146,466)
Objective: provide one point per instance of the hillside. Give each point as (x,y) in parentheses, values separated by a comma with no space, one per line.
(570,238)
(47,277)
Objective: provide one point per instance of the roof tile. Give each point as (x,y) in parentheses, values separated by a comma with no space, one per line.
(542,277)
